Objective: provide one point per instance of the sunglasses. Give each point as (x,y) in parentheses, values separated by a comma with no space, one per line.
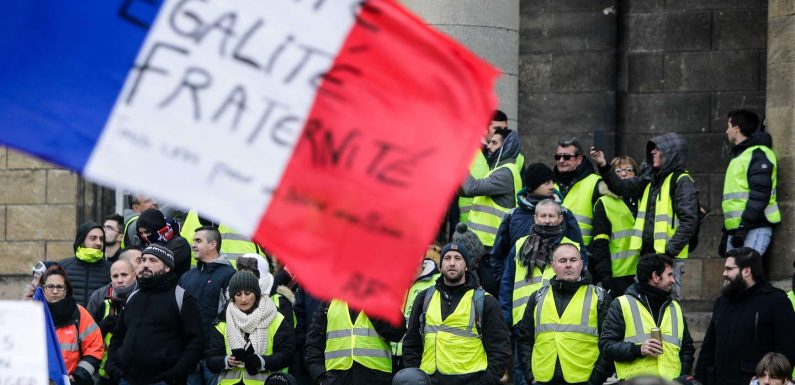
(565,157)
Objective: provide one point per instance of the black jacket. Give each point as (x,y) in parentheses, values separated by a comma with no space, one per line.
(685,197)
(356,375)
(611,340)
(207,283)
(152,340)
(565,181)
(562,292)
(760,180)
(86,277)
(743,328)
(283,347)
(181,249)
(494,334)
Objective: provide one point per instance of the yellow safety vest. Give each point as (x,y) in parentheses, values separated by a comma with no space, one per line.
(736,190)
(126,228)
(791,296)
(524,286)
(573,338)
(102,372)
(665,220)
(452,346)
(233,244)
(347,342)
(236,375)
(408,304)
(275,298)
(623,261)
(638,323)
(579,201)
(478,169)
(486,215)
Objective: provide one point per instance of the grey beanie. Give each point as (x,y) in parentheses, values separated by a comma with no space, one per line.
(468,239)
(244,280)
(161,252)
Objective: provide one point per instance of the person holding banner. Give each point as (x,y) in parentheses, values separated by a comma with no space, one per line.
(79,336)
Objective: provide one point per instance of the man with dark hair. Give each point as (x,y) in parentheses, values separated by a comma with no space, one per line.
(627,337)
(138,203)
(87,270)
(749,319)
(112,225)
(749,188)
(577,182)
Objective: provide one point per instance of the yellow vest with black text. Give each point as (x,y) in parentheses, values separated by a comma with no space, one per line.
(665,220)
(235,375)
(579,201)
(736,189)
(233,244)
(486,215)
(623,261)
(573,338)
(478,169)
(347,342)
(452,346)
(638,323)
(408,304)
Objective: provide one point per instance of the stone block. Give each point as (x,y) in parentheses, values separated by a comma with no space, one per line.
(746,29)
(711,278)
(565,113)
(58,250)
(507,89)
(2,223)
(781,40)
(3,157)
(691,4)
(642,6)
(23,186)
(12,287)
(61,186)
(691,280)
(723,102)
(567,31)
(17,160)
(568,72)
(715,197)
(781,86)
(565,5)
(498,13)
(39,222)
(19,257)
(669,31)
(704,153)
(645,73)
(665,112)
(745,4)
(495,45)
(779,8)
(709,237)
(712,71)
(779,263)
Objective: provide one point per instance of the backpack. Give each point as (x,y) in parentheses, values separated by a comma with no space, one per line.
(702,212)
(477,298)
(179,296)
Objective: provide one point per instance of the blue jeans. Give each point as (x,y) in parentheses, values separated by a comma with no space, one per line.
(203,376)
(757,239)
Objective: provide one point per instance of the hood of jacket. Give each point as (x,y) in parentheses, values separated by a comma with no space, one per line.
(82,233)
(212,265)
(674,152)
(428,269)
(759,138)
(508,152)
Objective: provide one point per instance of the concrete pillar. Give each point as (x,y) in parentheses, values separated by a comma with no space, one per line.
(490,29)
(780,112)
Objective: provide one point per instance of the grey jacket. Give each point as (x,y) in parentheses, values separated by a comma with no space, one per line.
(499,185)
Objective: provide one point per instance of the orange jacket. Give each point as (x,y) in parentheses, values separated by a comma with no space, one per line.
(91,344)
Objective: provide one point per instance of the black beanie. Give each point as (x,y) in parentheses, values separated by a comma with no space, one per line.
(163,253)
(535,175)
(459,248)
(244,280)
(152,220)
(82,233)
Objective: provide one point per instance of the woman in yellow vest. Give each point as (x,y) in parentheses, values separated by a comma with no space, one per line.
(251,340)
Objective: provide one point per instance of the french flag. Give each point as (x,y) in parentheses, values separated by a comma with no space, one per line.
(334,132)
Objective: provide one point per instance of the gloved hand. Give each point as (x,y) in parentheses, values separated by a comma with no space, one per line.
(108,324)
(253,364)
(82,377)
(686,380)
(738,237)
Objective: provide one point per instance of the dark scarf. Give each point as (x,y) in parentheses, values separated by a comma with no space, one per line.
(537,250)
(158,283)
(62,311)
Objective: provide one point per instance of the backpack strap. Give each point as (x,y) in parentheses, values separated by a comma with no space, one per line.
(179,294)
(477,300)
(425,301)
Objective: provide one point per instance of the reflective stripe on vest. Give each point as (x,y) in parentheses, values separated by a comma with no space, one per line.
(791,296)
(126,229)
(579,200)
(348,342)
(486,215)
(639,321)
(236,375)
(523,285)
(408,304)
(106,340)
(452,346)
(478,169)
(233,244)
(665,221)
(736,189)
(623,261)
(572,339)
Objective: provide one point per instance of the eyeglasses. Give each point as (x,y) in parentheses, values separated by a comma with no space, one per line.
(565,157)
(54,287)
(623,170)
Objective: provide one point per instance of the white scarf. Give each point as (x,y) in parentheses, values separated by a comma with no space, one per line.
(255,325)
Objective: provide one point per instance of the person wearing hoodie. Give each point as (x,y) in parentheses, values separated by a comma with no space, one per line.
(87,270)
(558,340)
(579,185)
(495,193)
(668,209)
(455,332)
(153,228)
(138,203)
(626,338)
(427,274)
(749,189)
(537,185)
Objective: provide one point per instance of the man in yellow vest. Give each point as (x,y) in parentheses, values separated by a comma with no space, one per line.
(455,332)
(613,263)
(577,182)
(558,340)
(668,209)
(627,336)
(749,189)
(427,275)
(346,347)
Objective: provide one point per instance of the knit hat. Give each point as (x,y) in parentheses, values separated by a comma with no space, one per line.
(152,220)
(535,175)
(459,248)
(161,252)
(244,280)
(466,237)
